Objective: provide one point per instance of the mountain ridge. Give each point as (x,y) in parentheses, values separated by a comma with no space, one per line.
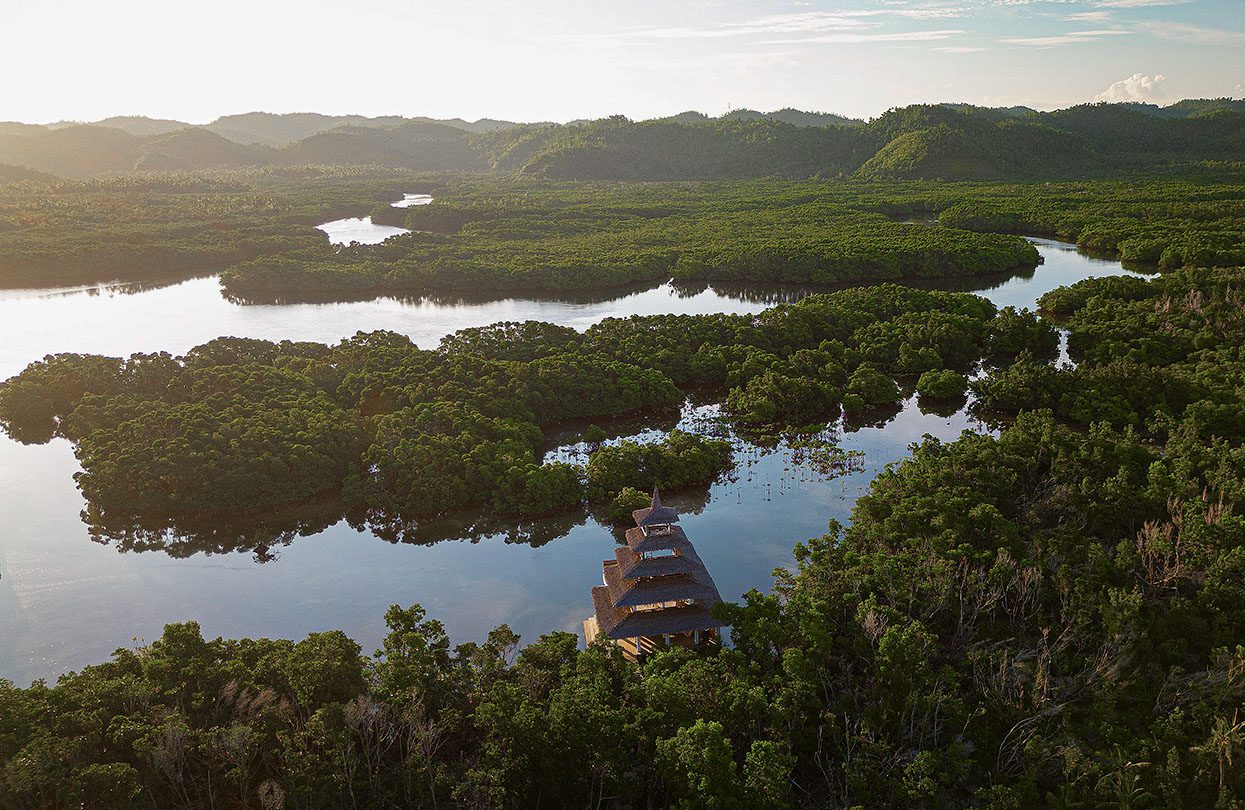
(920,141)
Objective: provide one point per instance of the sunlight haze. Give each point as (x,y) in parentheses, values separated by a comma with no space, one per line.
(558,60)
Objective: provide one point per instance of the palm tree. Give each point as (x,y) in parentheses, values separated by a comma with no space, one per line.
(1123,784)
(1226,737)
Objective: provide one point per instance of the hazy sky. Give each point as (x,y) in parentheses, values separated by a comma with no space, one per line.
(563,59)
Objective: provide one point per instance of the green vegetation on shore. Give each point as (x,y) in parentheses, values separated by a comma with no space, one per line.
(1053,616)
(172,226)
(406,435)
(536,237)
(489,236)
(541,238)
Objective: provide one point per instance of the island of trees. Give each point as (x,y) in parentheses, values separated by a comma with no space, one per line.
(403,434)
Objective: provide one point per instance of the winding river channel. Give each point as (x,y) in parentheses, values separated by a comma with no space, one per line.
(67,601)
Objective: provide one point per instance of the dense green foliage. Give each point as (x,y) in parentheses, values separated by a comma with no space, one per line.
(1053,616)
(160,226)
(494,236)
(681,461)
(1149,354)
(520,235)
(518,231)
(552,238)
(945,384)
(407,435)
(1168,225)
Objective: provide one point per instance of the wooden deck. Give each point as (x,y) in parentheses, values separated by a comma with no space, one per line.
(636,649)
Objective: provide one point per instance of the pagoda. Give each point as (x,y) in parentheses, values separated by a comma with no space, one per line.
(656,591)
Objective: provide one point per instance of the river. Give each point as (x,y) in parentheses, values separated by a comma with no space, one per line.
(66,601)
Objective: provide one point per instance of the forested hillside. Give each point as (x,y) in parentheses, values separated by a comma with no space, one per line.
(949,142)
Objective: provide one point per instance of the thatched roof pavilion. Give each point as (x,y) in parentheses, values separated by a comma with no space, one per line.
(656,590)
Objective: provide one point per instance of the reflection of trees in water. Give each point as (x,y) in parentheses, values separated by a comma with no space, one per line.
(260,533)
(875,418)
(472,525)
(451,298)
(769,463)
(751,293)
(692,501)
(566,443)
(942,407)
(158,281)
(265,533)
(764,294)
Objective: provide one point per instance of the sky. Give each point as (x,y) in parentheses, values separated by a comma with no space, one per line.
(556,60)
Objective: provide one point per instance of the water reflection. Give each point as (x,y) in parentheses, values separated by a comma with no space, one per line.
(412,200)
(261,534)
(264,533)
(66,601)
(942,407)
(358,230)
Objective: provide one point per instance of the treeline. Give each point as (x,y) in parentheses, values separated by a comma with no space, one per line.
(488,236)
(1052,616)
(535,237)
(407,435)
(163,226)
(543,239)
(939,141)
(1157,356)
(1165,225)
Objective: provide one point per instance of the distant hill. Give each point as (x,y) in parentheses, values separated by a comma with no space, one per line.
(418,145)
(281,130)
(935,141)
(688,117)
(20,174)
(792,116)
(788,115)
(195,148)
(141,126)
(18,128)
(269,129)
(74,151)
(1189,107)
(995,114)
(716,149)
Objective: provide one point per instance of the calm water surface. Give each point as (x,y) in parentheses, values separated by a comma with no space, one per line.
(66,601)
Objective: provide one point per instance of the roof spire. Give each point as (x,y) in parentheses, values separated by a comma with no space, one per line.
(656,514)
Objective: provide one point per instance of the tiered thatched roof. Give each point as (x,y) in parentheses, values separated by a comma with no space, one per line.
(634,580)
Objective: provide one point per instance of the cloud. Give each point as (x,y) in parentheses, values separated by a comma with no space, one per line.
(897,36)
(806,22)
(1183,32)
(809,22)
(959,49)
(1090,16)
(1141,3)
(1137,87)
(1070,38)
